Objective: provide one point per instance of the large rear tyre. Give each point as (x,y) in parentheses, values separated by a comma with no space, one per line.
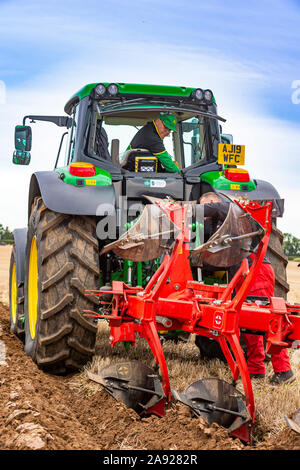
(279,261)
(16,298)
(61,262)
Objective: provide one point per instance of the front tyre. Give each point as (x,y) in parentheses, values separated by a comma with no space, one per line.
(61,262)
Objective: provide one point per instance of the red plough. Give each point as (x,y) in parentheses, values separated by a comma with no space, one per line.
(173,300)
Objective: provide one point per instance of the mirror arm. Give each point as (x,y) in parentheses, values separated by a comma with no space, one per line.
(61,121)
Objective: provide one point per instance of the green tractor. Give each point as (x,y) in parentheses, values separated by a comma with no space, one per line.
(87,202)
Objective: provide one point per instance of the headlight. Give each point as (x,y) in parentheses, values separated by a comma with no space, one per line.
(100,89)
(208,95)
(113,89)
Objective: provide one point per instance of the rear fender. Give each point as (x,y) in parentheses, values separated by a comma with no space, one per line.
(20,237)
(264,191)
(68,199)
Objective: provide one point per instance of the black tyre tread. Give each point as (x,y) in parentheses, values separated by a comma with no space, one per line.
(278,253)
(74,343)
(18,327)
(75,282)
(56,359)
(279,261)
(56,308)
(79,257)
(82,321)
(56,220)
(56,248)
(58,276)
(67,250)
(86,236)
(65,330)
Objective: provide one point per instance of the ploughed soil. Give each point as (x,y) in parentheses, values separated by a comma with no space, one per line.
(40,411)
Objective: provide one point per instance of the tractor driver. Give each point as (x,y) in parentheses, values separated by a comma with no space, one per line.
(151,137)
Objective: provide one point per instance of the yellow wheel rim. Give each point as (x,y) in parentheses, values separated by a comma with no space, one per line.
(32,288)
(13,294)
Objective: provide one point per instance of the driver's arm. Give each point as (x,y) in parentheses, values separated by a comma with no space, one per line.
(167,162)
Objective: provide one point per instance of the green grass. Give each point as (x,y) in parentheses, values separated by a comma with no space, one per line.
(294,258)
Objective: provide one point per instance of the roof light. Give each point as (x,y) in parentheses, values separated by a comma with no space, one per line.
(198,94)
(237,174)
(82,169)
(113,89)
(208,95)
(100,89)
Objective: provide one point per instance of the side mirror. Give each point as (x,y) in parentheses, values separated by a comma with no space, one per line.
(23,138)
(21,158)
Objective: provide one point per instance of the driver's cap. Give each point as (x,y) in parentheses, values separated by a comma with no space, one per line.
(169,120)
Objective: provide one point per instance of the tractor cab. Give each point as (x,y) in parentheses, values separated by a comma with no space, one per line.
(111,115)
(102,119)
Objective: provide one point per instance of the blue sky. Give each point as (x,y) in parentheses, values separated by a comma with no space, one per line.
(248,53)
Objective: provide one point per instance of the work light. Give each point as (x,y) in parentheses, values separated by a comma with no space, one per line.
(113,89)
(100,89)
(208,95)
(198,94)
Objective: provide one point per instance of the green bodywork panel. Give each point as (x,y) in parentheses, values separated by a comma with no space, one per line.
(134,89)
(102,178)
(217,180)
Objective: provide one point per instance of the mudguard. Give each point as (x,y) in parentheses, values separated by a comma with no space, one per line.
(20,237)
(264,191)
(68,199)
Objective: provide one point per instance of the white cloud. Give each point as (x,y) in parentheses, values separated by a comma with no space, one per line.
(272,154)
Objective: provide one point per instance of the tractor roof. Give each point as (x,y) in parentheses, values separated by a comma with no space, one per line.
(132,89)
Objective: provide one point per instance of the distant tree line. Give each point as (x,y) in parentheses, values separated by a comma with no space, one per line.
(6,235)
(291,245)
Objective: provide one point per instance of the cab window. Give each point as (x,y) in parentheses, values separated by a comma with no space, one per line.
(199,140)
